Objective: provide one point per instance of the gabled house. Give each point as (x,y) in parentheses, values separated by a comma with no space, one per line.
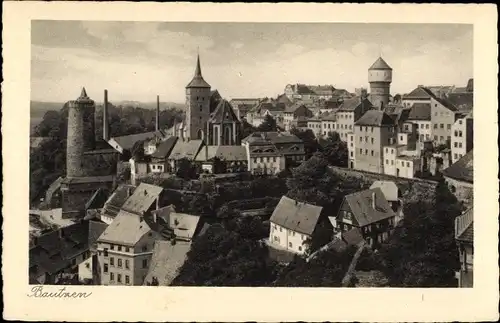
(125,247)
(293,112)
(460,178)
(348,113)
(293,223)
(464,236)
(159,159)
(370,212)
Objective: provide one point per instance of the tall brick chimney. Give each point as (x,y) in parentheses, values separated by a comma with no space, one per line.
(105,121)
(157,122)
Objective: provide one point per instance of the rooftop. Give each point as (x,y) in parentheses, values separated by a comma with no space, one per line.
(126,229)
(369,206)
(463,169)
(165,148)
(184,225)
(353,103)
(297,216)
(186,149)
(389,188)
(127,142)
(142,199)
(271,136)
(116,200)
(420,111)
(464,226)
(166,261)
(380,64)
(223,112)
(198,81)
(228,153)
(375,118)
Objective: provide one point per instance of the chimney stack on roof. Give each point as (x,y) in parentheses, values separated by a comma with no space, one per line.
(373,200)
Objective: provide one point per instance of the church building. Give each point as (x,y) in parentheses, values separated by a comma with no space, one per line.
(215,124)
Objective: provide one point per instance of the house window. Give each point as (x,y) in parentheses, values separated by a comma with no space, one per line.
(119,263)
(111,276)
(460,145)
(366,151)
(106,265)
(144,263)
(290,244)
(300,248)
(372,140)
(112,247)
(372,152)
(352,154)
(127,279)
(387,161)
(145,248)
(112,261)
(427,126)
(360,139)
(441,138)
(127,249)
(119,248)
(456,144)
(448,126)
(361,151)
(407,164)
(105,252)
(460,133)
(441,125)
(435,126)
(127,264)
(119,276)
(456,156)
(392,162)
(281,229)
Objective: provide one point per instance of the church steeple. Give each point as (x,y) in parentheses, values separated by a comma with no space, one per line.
(198,80)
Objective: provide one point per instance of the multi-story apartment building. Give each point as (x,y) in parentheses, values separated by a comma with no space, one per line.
(442,119)
(242,106)
(294,112)
(272,152)
(315,125)
(462,137)
(328,123)
(419,95)
(373,131)
(125,247)
(348,113)
(420,114)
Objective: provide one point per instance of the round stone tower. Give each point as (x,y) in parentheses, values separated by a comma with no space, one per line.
(380,78)
(198,105)
(80,136)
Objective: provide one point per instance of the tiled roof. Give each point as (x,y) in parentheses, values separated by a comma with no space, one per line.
(446,103)
(420,111)
(143,197)
(223,112)
(297,216)
(54,251)
(186,149)
(257,138)
(228,153)
(361,204)
(328,116)
(126,228)
(117,199)
(283,99)
(341,93)
(352,104)
(166,261)
(464,226)
(380,64)
(463,169)
(352,237)
(420,93)
(375,118)
(463,101)
(96,228)
(198,80)
(389,188)
(293,107)
(163,150)
(128,142)
(184,225)
(88,179)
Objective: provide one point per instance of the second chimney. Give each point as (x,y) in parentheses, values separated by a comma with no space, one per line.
(373,200)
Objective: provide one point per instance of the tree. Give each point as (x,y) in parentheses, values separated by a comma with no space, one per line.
(313,182)
(422,251)
(307,136)
(335,150)
(185,169)
(269,124)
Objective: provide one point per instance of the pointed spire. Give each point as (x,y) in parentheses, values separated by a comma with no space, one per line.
(197,72)
(84,93)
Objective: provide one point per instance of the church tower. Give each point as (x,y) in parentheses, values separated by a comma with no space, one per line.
(380,78)
(198,105)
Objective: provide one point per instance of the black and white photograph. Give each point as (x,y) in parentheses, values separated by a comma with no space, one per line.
(251,154)
(212,162)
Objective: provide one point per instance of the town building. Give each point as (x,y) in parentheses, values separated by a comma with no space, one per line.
(293,224)
(462,137)
(315,125)
(349,112)
(393,195)
(460,178)
(58,254)
(293,112)
(328,123)
(223,159)
(419,95)
(223,127)
(125,247)
(372,132)
(187,149)
(275,109)
(380,78)
(272,152)
(464,237)
(403,159)
(115,202)
(159,158)
(242,106)
(308,93)
(368,211)
(420,114)
(442,118)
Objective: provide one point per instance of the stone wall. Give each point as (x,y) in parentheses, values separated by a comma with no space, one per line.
(412,189)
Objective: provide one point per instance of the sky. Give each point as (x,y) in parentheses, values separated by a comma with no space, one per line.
(139,60)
